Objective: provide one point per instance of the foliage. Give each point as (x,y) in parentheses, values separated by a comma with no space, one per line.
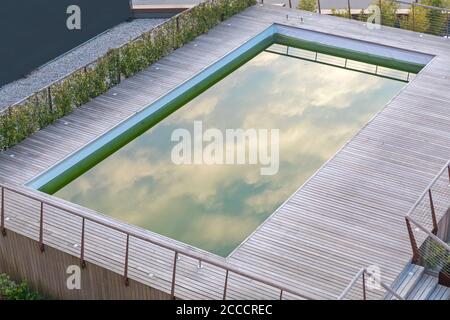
(388,10)
(340,13)
(307,5)
(9,290)
(434,254)
(83,85)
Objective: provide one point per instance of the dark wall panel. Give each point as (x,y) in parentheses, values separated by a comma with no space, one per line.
(33,32)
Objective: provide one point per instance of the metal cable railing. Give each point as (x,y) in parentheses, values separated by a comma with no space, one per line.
(422,222)
(45,205)
(393,13)
(359,284)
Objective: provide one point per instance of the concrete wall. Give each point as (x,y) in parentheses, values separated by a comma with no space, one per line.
(32,32)
(46,272)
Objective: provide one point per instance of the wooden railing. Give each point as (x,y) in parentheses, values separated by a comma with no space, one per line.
(49,201)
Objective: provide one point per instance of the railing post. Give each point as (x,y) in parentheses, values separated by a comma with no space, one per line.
(41,229)
(49,95)
(319,8)
(178,23)
(433,213)
(125,272)
(82,261)
(281,294)
(290,4)
(174,273)
(225,287)
(412,239)
(448,22)
(448,168)
(349,10)
(364,285)
(2,213)
(381,15)
(413,6)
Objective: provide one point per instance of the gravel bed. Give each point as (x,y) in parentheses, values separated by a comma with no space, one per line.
(74,59)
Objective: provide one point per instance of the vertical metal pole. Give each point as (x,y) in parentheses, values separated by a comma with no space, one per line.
(448,22)
(349,10)
(381,13)
(448,174)
(50,102)
(174,273)
(82,262)
(281,294)
(178,23)
(413,16)
(319,8)
(225,287)
(125,272)
(290,4)
(2,214)
(433,213)
(41,229)
(364,285)
(414,247)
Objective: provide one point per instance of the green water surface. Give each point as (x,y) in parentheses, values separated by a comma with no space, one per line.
(316,107)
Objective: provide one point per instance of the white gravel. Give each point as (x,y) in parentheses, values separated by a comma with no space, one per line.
(74,59)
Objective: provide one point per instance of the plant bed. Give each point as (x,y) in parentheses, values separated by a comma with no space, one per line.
(10,290)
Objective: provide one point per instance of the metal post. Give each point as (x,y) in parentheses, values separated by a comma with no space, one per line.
(290,4)
(448,22)
(433,213)
(448,173)
(125,272)
(364,285)
(414,247)
(319,8)
(2,214)
(49,95)
(174,273)
(281,294)
(349,10)
(41,229)
(413,16)
(225,286)
(178,24)
(82,262)
(381,15)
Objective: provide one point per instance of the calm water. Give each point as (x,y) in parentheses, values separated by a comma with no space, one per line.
(215,207)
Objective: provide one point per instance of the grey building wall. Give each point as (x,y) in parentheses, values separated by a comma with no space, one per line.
(33,32)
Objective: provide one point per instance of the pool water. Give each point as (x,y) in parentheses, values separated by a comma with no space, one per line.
(316,107)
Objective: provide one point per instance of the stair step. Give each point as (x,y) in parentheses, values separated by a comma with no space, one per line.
(406,281)
(440,293)
(423,289)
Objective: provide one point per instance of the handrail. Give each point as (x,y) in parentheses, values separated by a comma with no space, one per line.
(361,273)
(430,185)
(48,201)
(430,234)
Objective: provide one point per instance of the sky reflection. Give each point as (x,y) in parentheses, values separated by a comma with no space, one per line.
(215,207)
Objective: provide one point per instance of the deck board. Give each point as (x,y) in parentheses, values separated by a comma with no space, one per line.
(349,215)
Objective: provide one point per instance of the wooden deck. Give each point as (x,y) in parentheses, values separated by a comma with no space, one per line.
(349,215)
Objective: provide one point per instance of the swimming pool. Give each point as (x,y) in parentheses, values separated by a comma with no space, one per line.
(316,107)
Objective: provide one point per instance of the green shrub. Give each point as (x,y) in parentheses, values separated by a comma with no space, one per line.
(9,290)
(80,87)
